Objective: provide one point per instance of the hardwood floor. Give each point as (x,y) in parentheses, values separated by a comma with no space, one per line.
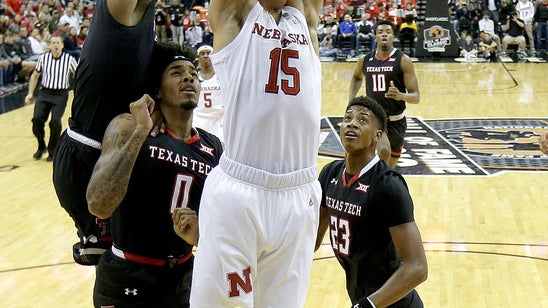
(486,236)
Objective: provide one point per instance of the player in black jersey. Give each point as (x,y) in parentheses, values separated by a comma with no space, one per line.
(369,213)
(390,79)
(110,75)
(150,187)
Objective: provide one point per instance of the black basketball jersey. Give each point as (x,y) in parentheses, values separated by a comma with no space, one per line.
(378,74)
(112,70)
(169,173)
(361,210)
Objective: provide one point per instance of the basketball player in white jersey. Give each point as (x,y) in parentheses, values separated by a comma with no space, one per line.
(259,209)
(209,113)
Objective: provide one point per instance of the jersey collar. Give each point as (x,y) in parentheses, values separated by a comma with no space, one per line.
(356,176)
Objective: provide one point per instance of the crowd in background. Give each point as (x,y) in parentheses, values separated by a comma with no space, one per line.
(347,27)
(485,28)
(26,27)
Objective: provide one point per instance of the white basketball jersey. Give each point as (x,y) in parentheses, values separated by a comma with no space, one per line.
(271,80)
(210,104)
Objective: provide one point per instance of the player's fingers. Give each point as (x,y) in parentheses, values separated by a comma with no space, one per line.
(176,216)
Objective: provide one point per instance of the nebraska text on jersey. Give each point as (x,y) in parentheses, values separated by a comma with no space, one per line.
(211,88)
(178,159)
(275,34)
(343,206)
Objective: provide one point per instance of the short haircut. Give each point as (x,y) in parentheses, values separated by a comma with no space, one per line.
(386,22)
(162,56)
(371,104)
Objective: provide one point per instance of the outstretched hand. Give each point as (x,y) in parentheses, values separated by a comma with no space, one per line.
(141,111)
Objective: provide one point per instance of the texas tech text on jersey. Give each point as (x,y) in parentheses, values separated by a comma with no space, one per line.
(343,206)
(181,160)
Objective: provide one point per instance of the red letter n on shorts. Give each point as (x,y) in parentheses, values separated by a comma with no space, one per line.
(236,283)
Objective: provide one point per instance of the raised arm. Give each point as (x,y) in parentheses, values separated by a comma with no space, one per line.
(226,18)
(123,139)
(312,14)
(128,12)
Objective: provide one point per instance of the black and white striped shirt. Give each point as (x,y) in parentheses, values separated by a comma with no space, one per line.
(56,72)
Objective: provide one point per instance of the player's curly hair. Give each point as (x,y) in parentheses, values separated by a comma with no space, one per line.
(372,105)
(162,55)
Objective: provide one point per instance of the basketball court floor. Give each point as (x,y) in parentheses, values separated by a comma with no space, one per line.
(478,180)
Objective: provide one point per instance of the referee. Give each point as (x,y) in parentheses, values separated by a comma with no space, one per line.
(57,67)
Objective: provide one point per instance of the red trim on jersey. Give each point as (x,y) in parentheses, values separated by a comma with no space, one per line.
(353,180)
(386,58)
(190,140)
(153,261)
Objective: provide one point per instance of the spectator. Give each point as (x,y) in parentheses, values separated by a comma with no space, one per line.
(526,10)
(6,64)
(407,33)
(340,9)
(82,36)
(7,9)
(329,22)
(487,25)
(175,12)
(54,21)
(347,32)
(71,43)
(88,12)
(42,21)
(487,47)
(69,17)
(493,8)
(207,34)
(541,24)
(194,35)
(467,47)
(20,51)
(514,34)
(505,9)
(327,47)
(366,33)
(46,35)
(36,42)
(15,24)
(160,21)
